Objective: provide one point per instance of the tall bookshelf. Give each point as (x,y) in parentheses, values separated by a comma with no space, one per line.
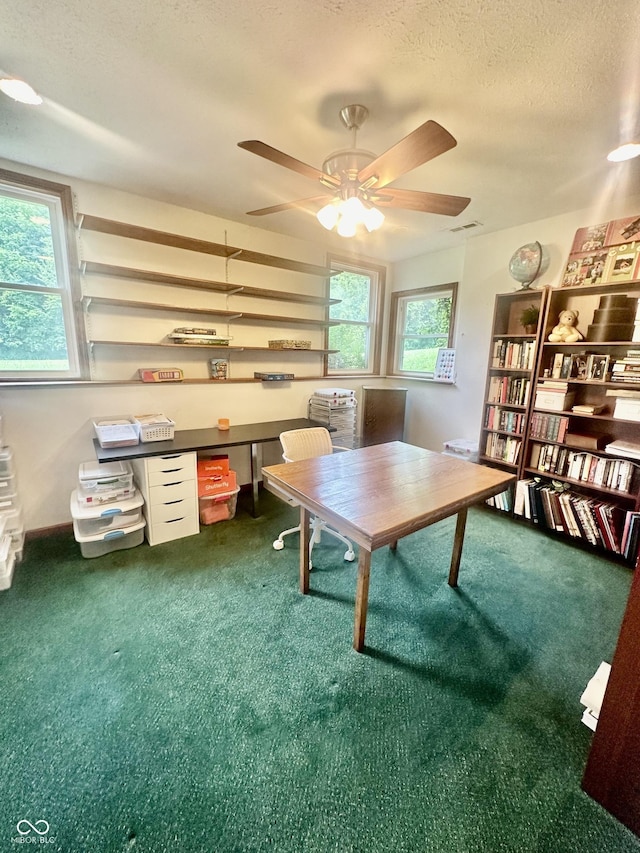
(513,357)
(574,441)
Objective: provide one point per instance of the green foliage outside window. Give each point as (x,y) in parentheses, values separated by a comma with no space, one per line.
(426,329)
(352,337)
(32,332)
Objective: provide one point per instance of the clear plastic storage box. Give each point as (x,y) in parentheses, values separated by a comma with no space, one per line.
(94,519)
(6,462)
(220,507)
(99,544)
(7,562)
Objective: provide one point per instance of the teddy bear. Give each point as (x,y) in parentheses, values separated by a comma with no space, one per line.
(566,330)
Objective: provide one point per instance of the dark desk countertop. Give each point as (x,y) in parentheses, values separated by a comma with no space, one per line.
(189,440)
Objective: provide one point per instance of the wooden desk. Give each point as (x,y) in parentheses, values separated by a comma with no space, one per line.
(192,440)
(376,495)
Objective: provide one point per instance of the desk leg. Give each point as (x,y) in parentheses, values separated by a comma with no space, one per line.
(457,547)
(305,538)
(255,468)
(362,598)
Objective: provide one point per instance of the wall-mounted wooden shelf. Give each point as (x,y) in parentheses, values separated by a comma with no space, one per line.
(192,244)
(95,268)
(208,347)
(229,315)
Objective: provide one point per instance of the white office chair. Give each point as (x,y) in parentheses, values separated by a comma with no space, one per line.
(300,444)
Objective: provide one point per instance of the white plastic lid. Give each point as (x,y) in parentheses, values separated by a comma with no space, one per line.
(95,470)
(79,510)
(219,496)
(112,533)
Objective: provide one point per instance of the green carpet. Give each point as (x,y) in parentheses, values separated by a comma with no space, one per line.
(186,697)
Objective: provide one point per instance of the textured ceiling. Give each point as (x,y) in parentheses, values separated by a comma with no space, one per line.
(153,97)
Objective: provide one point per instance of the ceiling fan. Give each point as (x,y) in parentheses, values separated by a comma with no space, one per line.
(355,183)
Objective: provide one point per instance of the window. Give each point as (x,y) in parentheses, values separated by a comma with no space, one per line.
(357,338)
(421,323)
(38,337)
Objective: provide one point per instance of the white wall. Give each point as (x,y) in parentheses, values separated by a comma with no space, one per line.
(436,412)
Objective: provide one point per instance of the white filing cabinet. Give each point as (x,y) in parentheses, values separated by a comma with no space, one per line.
(169,485)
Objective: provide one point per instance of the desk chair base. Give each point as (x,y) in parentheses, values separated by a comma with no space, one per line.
(317,526)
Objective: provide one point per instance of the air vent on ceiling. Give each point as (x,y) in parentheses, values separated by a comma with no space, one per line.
(466,227)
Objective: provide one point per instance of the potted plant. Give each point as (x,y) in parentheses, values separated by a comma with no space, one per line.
(529,319)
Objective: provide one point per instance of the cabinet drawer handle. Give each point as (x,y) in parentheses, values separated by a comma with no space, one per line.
(170,470)
(177,483)
(173,456)
(173,520)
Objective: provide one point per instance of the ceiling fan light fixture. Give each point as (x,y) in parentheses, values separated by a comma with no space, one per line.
(373,219)
(19,91)
(327,216)
(347,214)
(624,152)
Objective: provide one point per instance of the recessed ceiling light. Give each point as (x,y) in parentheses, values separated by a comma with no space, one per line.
(624,152)
(19,91)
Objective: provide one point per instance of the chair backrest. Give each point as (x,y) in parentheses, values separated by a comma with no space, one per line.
(305,443)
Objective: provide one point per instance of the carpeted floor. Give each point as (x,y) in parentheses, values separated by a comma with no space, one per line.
(186,697)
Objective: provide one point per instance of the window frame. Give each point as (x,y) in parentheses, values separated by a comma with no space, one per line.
(59,199)
(377,276)
(399,298)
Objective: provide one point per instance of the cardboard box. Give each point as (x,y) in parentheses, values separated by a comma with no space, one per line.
(554,401)
(216,485)
(213,466)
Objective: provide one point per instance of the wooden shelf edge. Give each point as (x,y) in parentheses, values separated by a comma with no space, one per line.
(212,349)
(231,315)
(56,383)
(592,487)
(132,274)
(192,244)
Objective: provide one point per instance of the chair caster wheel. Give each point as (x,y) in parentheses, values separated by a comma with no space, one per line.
(278,545)
(349,555)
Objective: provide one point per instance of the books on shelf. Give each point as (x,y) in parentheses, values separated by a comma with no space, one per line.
(624,448)
(502,501)
(516,355)
(505,448)
(512,390)
(590,468)
(600,523)
(504,420)
(588,408)
(548,427)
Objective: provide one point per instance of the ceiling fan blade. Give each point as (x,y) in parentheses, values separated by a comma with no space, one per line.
(282,159)
(426,142)
(448,205)
(287,205)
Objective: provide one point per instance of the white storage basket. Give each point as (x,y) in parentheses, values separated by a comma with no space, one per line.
(155,427)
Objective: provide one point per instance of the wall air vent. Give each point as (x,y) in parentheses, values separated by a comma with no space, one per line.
(466,227)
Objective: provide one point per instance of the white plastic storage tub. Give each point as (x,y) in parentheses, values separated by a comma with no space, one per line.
(108,541)
(6,462)
(7,487)
(105,476)
(98,518)
(462,448)
(7,562)
(220,507)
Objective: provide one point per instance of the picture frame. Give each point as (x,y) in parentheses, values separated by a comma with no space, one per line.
(579,365)
(621,263)
(598,367)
